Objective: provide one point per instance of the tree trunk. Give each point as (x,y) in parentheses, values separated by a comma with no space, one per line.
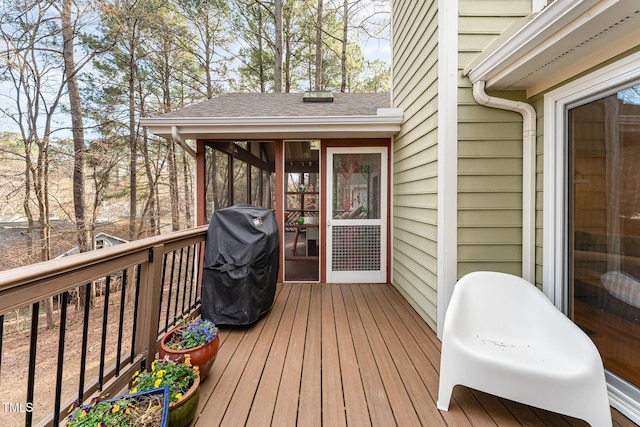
(77,127)
(319,76)
(345,34)
(26,201)
(40,180)
(277,51)
(151,183)
(208,59)
(287,53)
(261,53)
(133,159)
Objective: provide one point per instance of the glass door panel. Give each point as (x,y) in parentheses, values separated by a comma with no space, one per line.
(604,224)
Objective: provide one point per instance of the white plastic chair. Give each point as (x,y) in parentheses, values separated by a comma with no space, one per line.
(504,337)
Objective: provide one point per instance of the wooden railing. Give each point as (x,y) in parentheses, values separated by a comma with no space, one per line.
(109,309)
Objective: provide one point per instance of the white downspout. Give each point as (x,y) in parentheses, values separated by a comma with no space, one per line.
(175,134)
(528,171)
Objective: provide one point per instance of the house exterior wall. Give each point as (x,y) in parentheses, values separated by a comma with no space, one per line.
(415,154)
(489,145)
(489,152)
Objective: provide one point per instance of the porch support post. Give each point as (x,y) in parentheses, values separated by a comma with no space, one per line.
(149,304)
(279,160)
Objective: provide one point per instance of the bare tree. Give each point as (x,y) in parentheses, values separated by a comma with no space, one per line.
(319,77)
(31,63)
(345,36)
(77,127)
(277,49)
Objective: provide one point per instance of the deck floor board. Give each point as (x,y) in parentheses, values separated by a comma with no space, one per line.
(350,355)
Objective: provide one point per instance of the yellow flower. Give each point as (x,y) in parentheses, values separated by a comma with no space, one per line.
(187,359)
(134,390)
(136,374)
(83,413)
(153,365)
(179,396)
(115,408)
(160,373)
(157,383)
(196,370)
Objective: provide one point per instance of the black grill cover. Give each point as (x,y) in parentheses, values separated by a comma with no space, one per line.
(240,265)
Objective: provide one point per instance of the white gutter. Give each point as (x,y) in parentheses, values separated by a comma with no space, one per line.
(528,171)
(529,40)
(385,124)
(176,136)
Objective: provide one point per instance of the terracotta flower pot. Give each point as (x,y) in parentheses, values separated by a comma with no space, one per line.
(202,356)
(182,412)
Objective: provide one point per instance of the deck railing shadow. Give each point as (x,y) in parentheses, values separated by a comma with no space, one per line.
(110,309)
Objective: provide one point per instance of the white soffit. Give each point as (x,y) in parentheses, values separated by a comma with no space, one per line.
(563,40)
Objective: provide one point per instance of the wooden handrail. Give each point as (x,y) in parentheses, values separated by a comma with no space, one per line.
(27,286)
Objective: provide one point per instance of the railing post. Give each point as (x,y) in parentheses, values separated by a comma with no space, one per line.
(149,304)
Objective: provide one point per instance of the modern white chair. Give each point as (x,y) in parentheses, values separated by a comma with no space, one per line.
(504,337)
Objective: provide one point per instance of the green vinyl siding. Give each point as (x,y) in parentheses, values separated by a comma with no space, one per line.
(489,152)
(415,185)
(539,107)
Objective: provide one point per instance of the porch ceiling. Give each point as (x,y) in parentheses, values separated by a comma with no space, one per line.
(560,42)
(280,116)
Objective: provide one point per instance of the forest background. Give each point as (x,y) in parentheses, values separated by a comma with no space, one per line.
(77,75)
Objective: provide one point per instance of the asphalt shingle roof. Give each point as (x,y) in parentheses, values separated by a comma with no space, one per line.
(283,105)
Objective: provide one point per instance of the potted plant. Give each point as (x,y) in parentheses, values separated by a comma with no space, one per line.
(199,339)
(148,408)
(182,379)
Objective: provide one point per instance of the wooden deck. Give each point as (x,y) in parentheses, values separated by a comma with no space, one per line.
(337,355)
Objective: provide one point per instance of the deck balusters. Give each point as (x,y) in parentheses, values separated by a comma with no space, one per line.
(85,339)
(135,313)
(173,264)
(144,279)
(175,312)
(190,274)
(186,276)
(103,343)
(61,340)
(199,267)
(35,312)
(123,294)
(164,274)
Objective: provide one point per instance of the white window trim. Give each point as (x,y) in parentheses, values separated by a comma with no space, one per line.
(555,274)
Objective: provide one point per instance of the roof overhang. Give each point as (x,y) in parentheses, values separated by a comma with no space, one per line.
(563,40)
(385,124)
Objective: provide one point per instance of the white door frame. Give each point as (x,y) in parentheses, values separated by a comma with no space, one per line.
(375,276)
(622,396)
